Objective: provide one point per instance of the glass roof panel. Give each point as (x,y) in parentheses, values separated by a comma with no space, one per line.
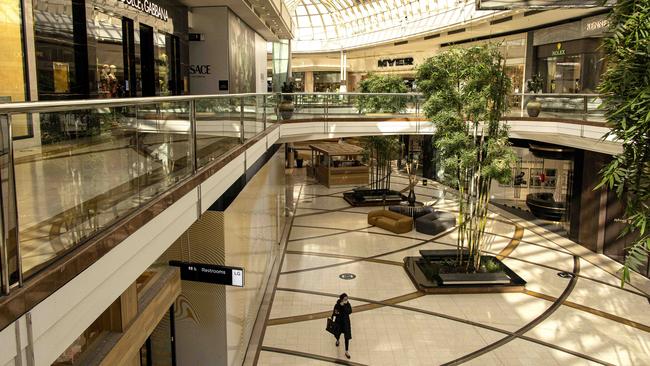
(354,23)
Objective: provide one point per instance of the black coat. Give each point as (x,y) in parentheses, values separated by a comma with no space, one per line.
(341,316)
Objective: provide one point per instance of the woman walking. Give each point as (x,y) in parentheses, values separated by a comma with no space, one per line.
(341,313)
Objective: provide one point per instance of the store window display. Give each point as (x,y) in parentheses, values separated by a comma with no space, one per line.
(107,29)
(12,65)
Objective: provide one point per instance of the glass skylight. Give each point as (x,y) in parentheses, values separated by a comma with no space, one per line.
(329,25)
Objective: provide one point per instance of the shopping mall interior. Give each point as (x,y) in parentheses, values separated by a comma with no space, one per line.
(243,182)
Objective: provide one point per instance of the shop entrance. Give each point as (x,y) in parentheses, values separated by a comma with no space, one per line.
(147,60)
(160,347)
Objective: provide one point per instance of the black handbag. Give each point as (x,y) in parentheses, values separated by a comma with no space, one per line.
(332,327)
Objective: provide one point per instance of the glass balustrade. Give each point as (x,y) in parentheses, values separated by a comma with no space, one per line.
(91,163)
(583,107)
(341,106)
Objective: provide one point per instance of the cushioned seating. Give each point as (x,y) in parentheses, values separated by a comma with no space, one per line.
(435,222)
(413,211)
(390,221)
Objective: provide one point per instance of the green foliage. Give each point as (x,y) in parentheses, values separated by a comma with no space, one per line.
(492,266)
(535,84)
(375,83)
(379,151)
(626,99)
(465,92)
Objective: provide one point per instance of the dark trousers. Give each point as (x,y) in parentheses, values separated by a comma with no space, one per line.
(347,342)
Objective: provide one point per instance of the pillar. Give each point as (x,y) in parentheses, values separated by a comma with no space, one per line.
(343,61)
(309,81)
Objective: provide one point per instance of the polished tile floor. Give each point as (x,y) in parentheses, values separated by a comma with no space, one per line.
(555,321)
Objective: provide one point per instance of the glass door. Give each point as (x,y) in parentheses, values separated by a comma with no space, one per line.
(160,347)
(147,61)
(563,74)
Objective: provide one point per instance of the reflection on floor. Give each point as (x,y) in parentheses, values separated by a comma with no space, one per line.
(556,321)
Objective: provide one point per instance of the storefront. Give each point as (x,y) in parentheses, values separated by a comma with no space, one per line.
(12,64)
(109,48)
(569,58)
(327,81)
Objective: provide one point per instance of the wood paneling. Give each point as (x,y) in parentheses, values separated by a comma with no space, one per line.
(153,302)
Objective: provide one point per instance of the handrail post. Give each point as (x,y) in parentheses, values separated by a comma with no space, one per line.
(242,138)
(264,111)
(8,211)
(585,109)
(193,148)
(327,99)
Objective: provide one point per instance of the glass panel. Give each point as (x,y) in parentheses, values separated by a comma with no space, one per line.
(217,128)
(8,207)
(91,168)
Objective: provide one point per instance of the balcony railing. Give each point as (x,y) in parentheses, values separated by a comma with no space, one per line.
(90,163)
(583,107)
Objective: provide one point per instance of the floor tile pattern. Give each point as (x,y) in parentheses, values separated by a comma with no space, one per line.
(584,320)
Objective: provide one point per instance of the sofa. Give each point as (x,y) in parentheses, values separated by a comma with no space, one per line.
(391,221)
(435,222)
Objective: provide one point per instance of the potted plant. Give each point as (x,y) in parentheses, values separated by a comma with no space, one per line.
(534,85)
(382,104)
(286,106)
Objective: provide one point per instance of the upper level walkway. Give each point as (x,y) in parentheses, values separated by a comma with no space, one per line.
(90,174)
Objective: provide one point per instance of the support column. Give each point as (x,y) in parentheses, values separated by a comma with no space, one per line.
(427,156)
(344,71)
(309,81)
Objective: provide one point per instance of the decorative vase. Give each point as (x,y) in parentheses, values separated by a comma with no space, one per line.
(286,109)
(533,107)
(411,197)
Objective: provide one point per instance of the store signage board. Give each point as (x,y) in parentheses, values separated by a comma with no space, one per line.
(405,61)
(559,51)
(210,273)
(148,7)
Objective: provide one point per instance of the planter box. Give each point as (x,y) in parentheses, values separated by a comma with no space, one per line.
(499,278)
(422,271)
(371,197)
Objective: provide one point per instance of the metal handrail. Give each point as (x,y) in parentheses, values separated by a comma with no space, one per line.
(356,93)
(68,105)
(559,95)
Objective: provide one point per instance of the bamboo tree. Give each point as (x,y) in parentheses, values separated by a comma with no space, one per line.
(465,91)
(626,99)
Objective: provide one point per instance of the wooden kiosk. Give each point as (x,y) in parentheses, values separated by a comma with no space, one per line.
(335,164)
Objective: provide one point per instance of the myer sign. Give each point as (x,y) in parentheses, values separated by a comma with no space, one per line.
(405,61)
(148,7)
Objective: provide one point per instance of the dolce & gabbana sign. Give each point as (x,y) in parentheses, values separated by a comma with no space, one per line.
(148,7)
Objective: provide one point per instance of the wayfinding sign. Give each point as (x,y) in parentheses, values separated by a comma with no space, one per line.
(210,273)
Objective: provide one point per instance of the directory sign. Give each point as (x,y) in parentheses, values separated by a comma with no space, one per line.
(210,273)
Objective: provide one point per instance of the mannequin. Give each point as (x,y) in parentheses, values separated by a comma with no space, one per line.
(113,83)
(104,82)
